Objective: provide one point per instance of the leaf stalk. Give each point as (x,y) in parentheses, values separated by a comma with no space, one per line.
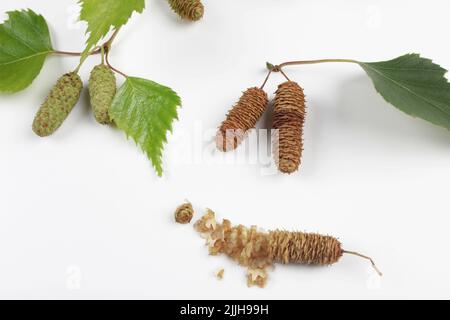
(277,68)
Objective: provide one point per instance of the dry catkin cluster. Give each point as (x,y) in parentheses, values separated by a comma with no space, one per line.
(188,9)
(241,118)
(288,120)
(257,250)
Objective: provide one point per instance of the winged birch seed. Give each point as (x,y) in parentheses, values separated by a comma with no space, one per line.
(102,89)
(220,273)
(58,104)
(258,250)
(184,213)
(188,9)
(288,121)
(241,118)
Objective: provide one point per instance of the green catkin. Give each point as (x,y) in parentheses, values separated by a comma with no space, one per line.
(188,9)
(102,89)
(58,104)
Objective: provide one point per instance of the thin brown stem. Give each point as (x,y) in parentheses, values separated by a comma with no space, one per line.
(67,53)
(279,67)
(367,258)
(110,41)
(265,80)
(284,74)
(111,67)
(76,54)
(291,63)
(103,54)
(106,48)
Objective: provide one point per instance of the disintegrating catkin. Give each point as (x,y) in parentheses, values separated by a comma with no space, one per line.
(241,118)
(257,250)
(188,9)
(58,104)
(184,213)
(288,121)
(102,89)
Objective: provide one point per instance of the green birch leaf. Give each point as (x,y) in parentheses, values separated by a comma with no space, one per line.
(145,110)
(102,15)
(24,44)
(415,85)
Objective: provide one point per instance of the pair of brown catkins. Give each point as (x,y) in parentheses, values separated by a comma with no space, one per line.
(288,119)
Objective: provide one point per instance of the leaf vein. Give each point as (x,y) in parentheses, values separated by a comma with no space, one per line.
(409,90)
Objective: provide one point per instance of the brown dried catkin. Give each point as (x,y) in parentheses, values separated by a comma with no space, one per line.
(188,9)
(288,120)
(304,248)
(241,118)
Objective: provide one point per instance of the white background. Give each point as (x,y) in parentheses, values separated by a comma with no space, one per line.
(82,214)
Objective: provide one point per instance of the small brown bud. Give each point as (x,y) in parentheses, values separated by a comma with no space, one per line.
(184,213)
(188,9)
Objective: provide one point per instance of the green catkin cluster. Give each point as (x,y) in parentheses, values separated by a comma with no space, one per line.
(102,89)
(188,9)
(59,103)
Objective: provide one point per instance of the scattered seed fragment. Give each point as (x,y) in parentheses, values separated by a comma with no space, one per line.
(220,273)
